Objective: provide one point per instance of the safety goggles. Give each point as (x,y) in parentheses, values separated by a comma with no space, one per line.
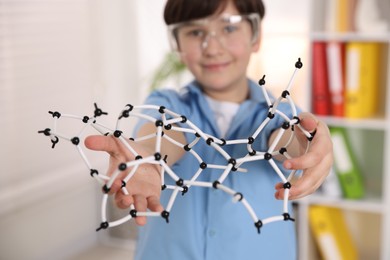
(228,30)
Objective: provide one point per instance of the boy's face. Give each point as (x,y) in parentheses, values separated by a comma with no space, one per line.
(219,61)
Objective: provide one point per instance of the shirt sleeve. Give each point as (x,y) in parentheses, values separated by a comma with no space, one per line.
(162,98)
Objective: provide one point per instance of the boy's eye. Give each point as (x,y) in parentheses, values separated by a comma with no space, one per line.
(230,28)
(195,33)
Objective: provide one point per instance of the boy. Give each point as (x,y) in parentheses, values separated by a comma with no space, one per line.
(215,39)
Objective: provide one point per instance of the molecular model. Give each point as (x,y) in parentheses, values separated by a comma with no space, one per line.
(171,121)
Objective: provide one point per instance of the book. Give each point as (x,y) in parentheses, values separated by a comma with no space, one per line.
(331,188)
(368,17)
(336,76)
(320,84)
(362,79)
(340,15)
(343,16)
(331,16)
(345,165)
(331,233)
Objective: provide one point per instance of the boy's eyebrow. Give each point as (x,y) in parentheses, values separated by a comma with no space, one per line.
(196,22)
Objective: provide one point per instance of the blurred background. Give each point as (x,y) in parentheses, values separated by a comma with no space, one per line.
(64,55)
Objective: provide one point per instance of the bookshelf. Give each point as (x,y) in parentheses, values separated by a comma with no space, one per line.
(368,218)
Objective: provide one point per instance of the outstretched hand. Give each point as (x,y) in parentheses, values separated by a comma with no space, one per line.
(316,163)
(144,188)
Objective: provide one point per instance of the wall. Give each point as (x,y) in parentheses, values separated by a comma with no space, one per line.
(69,55)
(285,32)
(59,56)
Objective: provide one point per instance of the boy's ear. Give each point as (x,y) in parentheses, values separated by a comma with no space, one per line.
(256,44)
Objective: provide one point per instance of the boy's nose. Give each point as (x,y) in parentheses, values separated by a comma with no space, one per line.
(211,43)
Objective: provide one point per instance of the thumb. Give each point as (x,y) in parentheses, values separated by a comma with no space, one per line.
(101,143)
(308,121)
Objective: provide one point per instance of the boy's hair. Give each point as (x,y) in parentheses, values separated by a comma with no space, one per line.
(177,11)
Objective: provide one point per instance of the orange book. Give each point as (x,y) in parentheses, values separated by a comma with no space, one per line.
(336,76)
(320,84)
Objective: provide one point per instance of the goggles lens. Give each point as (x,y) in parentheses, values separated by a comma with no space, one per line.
(228,30)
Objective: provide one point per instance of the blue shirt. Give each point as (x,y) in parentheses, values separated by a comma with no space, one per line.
(205,223)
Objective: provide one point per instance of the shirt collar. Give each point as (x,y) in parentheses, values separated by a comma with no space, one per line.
(256,98)
(255,93)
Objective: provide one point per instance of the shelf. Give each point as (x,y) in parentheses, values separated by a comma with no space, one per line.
(350,36)
(369,137)
(369,124)
(371,205)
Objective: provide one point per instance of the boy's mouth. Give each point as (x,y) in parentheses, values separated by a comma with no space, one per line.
(215,66)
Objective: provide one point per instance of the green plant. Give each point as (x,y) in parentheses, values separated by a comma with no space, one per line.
(171,66)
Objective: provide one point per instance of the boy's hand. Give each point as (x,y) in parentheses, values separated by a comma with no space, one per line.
(144,187)
(316,163)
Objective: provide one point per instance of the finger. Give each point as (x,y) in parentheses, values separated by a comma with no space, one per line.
(123,201)
(297,190)
(154,204)
(101,143)
(309,182)
(305,161)
(279,193)
(320,146)
(114,188)
(305,186)
(140,204)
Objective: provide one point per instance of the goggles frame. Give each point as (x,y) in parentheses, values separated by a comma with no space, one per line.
(253,18)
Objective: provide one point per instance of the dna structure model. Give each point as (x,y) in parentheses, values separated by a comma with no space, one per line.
(171,121)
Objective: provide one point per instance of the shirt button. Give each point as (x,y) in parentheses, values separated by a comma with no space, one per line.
(212,232)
